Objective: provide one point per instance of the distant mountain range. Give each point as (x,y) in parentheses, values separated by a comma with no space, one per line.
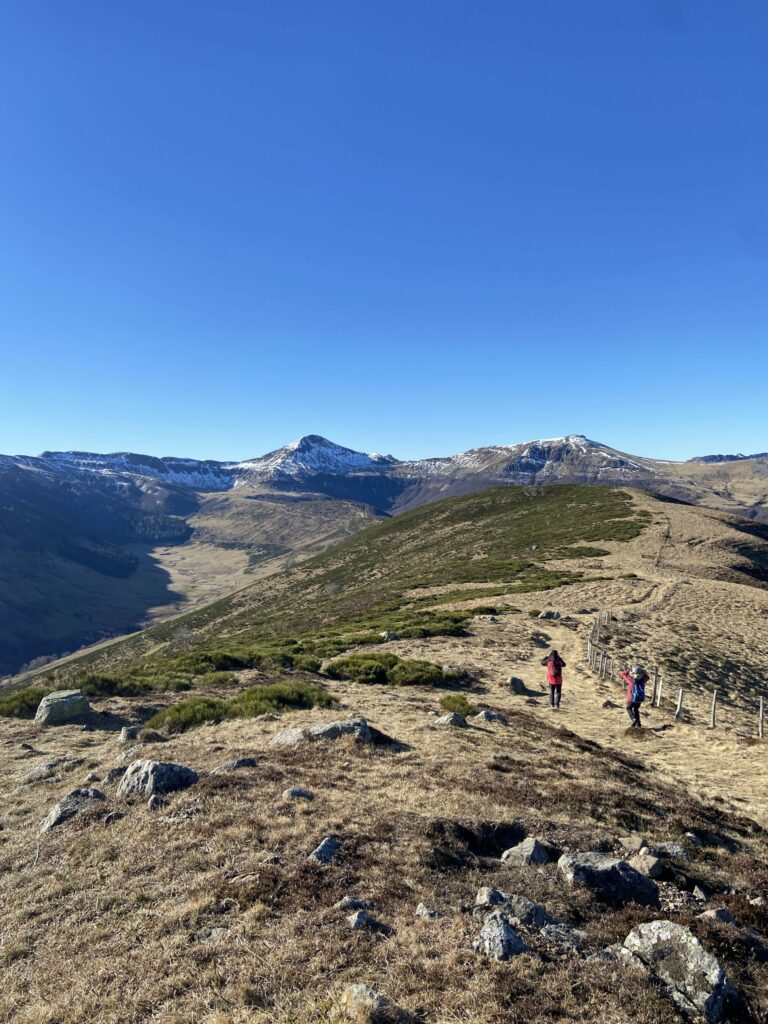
(93,545)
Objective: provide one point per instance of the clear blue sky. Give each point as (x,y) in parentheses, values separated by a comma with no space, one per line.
(413,227)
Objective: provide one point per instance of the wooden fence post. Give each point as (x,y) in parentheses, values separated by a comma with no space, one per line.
(655,685)
(679,708)
(760,719)
(658,695)
(712,719)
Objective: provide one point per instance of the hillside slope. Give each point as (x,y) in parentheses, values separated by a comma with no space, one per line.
(208,908)
(95,545)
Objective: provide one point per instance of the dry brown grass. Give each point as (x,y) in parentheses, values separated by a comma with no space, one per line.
(117,924)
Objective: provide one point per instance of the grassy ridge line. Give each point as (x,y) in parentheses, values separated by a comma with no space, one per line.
(359,587)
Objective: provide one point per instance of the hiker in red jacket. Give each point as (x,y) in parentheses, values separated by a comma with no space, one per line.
(636,680)
(555,666)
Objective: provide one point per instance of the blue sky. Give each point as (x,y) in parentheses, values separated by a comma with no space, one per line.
(414,227)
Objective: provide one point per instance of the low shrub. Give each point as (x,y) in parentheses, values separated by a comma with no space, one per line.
(458,703)
(188,713)
(22,703)
(364,668)
(414,672)
(257,700)
(535,613)
(386,668)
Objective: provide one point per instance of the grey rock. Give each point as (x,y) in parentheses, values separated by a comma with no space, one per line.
(613,880)
(362,1003)
(498,940)
(548,614)
(129,733)
(694,978)
(699,894)
(490,897)
(357,727)
(647,865)
(45,772)
(73,803)
(720,914)
(453,719)
(676,851)
(61,707)
(526,912)
(758,901)
(491,716)
(633,843)
(297,793)
(113,816)
(352,903)
(92,777)
(563,935)
(387,635)
(530,851)
(360,919)
(693,838)
(115,773)
(516,685)
(327,851)
(156,803)
(422,910)
(147,777)
(233,766)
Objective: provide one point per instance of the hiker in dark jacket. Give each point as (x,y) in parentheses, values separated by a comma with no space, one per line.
(555,666)
(636,680)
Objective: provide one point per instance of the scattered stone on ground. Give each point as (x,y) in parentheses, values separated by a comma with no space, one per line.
(73,803)
(720,914)
(422,910)
(45,772)
(156,803)
(674,850)
(491,716)
(498,940)
(563,935)
(647,864)
(490,897)
(699,894)
(549,614)
(61,707)
(693,838)
(327,851)
(530,851)
(129,733)
(694,978)
(526,912)
(91,777)
(352,903)
(613,880)
(453,718)
(357,727)
(363,1004)
(516,685)
(233,766)
(297,793)
(113,816)
(633,843)
(359,919)
(147,777)
(115,773)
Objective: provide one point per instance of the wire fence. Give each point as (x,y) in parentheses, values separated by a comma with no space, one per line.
(686,702)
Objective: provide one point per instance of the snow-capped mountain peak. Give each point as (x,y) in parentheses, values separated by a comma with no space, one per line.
(313,454)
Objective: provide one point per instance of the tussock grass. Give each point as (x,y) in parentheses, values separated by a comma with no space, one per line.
(384,667)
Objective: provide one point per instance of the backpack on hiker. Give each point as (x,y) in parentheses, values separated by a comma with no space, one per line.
(638,690)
